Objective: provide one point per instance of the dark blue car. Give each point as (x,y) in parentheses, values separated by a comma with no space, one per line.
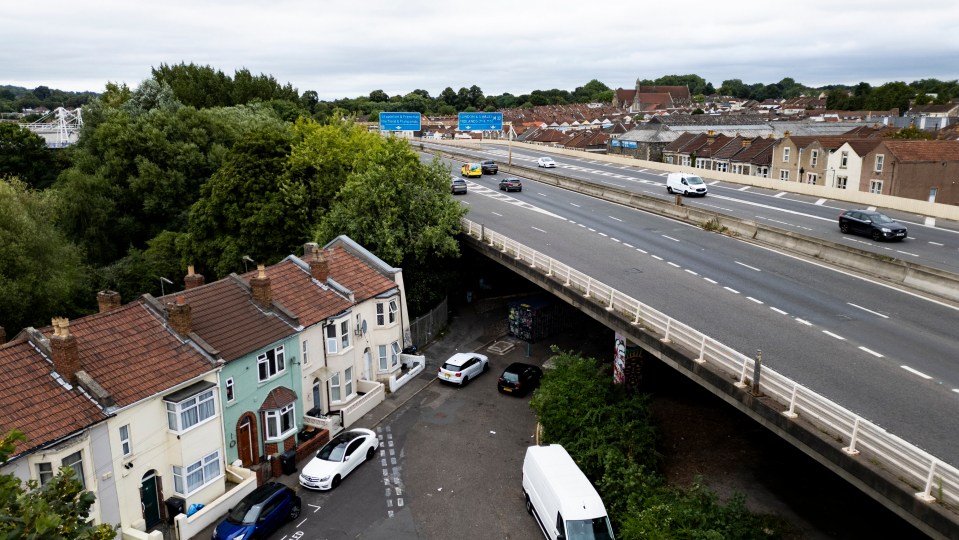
(260,513)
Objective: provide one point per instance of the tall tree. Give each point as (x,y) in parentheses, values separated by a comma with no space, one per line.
(25,154)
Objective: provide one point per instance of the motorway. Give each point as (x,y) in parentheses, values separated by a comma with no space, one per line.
(884,353)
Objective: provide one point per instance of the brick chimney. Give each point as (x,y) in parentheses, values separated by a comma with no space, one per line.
(64,350)
(108,300)
(319,266)
(193,280)
(746,142)
(179,316)
(710,137)
(260,288)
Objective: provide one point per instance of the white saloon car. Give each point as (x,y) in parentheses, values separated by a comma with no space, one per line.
(545,162)
(461,368)
(338,458)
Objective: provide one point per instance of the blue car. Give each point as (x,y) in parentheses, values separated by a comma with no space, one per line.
(260,513)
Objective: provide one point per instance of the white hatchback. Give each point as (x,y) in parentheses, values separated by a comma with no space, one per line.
(546,162)
(461,368)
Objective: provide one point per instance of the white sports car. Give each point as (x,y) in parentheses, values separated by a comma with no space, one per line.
(338,458)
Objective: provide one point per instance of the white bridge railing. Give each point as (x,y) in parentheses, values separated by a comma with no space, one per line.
(932,479)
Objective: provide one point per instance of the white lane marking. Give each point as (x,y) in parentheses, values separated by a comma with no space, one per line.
(543,194)
(581,225)
(828,333)
(874,353)
(777,310)
(747,266)
(820,202)
(803,321)
(750,298)
(616,218)
(576,205)
(643,251)
(657,257)
(744,188)
(780,194)
(691,272)
(495,214)
(907,253)
(669,238)
(868,310)
(673,264)
(713,281)
(936,244)
(628,245)
(590,229)
(916,372)
(602,234)
(538,229)
(614,239)
(730,289)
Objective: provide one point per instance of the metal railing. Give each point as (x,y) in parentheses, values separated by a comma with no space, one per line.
(934,480)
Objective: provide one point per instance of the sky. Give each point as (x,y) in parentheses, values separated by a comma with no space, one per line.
(348,48)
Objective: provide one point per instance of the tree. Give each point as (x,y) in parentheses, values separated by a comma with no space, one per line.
(57,510)
(890,95)
(25,154)
(377,96)
(735,88)
(43,274)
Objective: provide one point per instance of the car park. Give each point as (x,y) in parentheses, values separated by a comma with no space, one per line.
(260,513)
(338,458)
(545,162)
(873,224)
(519,379)
(461,368)
(686,184)
(511,184)
(489,167)
(458,185)
(471,169)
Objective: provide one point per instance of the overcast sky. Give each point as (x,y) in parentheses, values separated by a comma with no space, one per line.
(348,48)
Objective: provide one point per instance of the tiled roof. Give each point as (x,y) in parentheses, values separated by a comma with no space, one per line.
(924,150)
(278,397)
(294,288)
(35,403)
(356,275)
(730,149)
(680,142)
(132,354)
(225,316)
(863,146)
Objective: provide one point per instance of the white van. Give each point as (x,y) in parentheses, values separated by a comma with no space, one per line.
(561,498)
(685,183)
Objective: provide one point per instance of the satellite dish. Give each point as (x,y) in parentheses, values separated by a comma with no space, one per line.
(363,327)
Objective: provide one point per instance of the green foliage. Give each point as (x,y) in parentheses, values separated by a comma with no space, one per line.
(609,434)
(25,155)
(58,510)
(41,273)
(913,133)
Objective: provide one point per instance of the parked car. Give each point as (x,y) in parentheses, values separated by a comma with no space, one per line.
(511,184)
(458,185)
(545,162)
(875,225)
(461,368)
(519,378)
(685,183)
(489,167)
(338,458)
(260,513)
(471,169)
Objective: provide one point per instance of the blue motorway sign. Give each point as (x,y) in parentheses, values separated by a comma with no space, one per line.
(400,121)
(614,142)
(480,121)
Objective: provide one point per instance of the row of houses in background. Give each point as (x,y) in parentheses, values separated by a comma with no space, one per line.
(163,403)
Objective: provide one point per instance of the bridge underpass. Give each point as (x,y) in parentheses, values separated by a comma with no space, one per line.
(912,498)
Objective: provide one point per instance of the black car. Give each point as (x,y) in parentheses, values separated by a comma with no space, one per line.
(519,378)
(489,167)
(261,512)
(458,185)
(510,184)
(875,225)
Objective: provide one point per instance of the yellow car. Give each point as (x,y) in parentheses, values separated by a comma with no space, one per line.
(471,169)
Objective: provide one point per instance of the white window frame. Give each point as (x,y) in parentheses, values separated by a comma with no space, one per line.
(814,158)
(345,333)
(762,172)
(843,159)
(44,472)
(273,422)
(722,166)
(179,414)
(384,358)
(270,364)
(306,352)
(197,475)
(395,353)
(880,161)
(381,314)
(126,446)
(842,181)
(230,390)
(335,390)
(784,175)
(785,154)
(875,186)
(348,382)
(669,159)
(76,465)
(685,161)
(811,178)
(332,344)
(393,309)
